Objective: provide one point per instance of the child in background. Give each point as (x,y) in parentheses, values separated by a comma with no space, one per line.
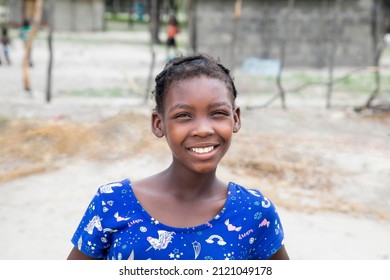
(172,31)
(24,33)
(5,42)
(184,212)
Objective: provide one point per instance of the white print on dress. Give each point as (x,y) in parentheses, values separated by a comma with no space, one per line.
(108,188)
(266,203)
(119,218)
(80,243)
(254,193)
(219,238)
(197,247)
(164,238)
(230,227)
(243,235)
(94,223)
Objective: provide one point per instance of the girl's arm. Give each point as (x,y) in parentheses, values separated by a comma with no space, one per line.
(281,254)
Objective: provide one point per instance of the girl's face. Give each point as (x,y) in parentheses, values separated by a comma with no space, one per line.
(198,121)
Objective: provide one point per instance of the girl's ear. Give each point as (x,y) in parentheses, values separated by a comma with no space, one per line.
(237,120)
(157,125)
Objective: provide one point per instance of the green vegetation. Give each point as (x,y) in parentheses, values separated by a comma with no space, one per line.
(107,92)
(4,120)
(359,83)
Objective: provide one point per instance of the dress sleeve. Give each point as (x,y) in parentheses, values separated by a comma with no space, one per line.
(89,236)
(270,237)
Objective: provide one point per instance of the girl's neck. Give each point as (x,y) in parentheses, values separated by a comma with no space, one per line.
(186,184)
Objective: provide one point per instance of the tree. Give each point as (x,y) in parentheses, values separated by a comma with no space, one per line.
(38,9)
(283,44)
(155,22)
(332,51)
(50,45)
(236,17)
(153,7)
(378,30)
(192,25)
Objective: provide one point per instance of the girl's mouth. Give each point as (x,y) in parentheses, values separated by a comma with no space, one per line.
(202,150)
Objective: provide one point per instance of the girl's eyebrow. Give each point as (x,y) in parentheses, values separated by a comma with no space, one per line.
(179,106)
(220,104)
(211,106)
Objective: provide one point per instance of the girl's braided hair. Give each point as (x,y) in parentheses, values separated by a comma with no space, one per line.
(184,67)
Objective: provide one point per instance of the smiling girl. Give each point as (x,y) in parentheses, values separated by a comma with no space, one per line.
(184,212)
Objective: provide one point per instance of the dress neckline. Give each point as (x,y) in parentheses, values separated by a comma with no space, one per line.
(195,228)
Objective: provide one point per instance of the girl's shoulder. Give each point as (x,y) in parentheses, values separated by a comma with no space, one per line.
(244,191)
(249,196)
(117,197)
(114,188)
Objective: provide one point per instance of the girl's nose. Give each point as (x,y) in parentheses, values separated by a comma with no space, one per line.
(203,128)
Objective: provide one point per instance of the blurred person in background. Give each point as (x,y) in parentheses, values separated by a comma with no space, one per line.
(172,31)
(24,34)
(5,42)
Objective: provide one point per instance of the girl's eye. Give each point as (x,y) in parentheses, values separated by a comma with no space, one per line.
(220,113)
(182,116)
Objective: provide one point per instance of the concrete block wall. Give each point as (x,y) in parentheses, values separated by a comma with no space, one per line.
(309,31)
(69,15)
(85,15)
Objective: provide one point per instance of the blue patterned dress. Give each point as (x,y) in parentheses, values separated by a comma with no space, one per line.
(115,226)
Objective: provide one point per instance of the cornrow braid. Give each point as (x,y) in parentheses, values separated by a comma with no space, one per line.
(185,67)
(227,71)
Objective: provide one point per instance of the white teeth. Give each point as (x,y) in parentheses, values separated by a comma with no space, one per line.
(202,150)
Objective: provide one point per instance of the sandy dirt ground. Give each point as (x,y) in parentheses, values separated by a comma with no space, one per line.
(328,171)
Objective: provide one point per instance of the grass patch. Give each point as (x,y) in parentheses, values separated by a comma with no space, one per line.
(4,120)
(358,83)
(107,92)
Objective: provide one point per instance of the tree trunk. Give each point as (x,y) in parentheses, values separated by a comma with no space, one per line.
(265,30)
(116,7)
(236,18)
(34,29)
(154,12)
(130,5)
(378,46)
(153,6)
(50,45)
(73,16)
(332,51)
(192,25)
(283,45)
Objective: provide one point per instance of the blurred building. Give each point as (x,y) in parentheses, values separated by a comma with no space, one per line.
(310,31)
(69,15)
